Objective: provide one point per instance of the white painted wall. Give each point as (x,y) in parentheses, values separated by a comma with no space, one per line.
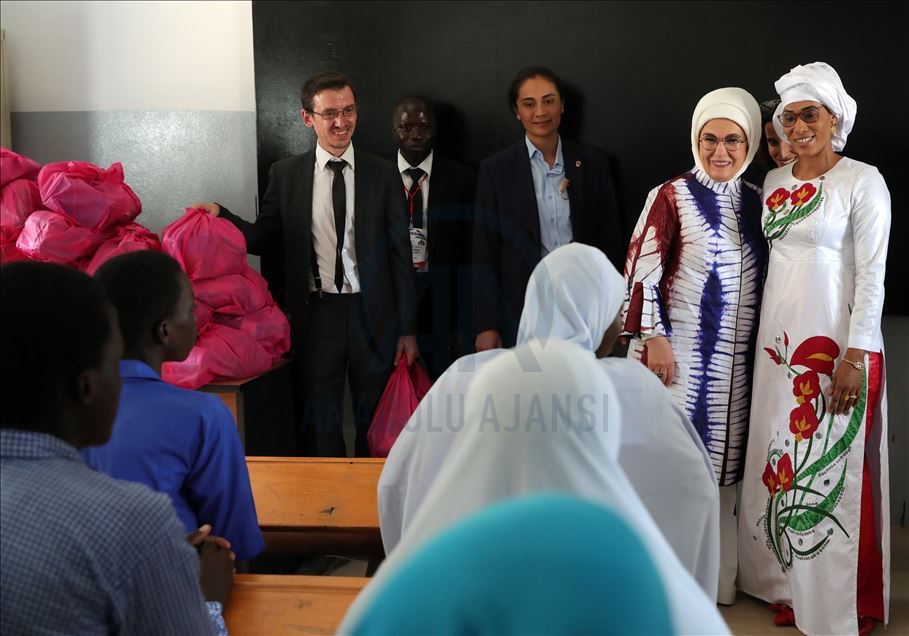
(137,55)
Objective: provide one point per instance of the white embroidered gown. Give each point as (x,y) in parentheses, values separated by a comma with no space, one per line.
(800,507)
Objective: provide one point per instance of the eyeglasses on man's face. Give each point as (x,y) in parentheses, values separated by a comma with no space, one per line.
(710,142)
(332,113)
(809,115)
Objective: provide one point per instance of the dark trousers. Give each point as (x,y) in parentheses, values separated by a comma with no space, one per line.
(335,347)
(435,331)
(444,329)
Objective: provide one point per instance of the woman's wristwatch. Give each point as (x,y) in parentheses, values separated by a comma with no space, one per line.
(858,365)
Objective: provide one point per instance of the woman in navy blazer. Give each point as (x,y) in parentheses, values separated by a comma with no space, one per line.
(535,195)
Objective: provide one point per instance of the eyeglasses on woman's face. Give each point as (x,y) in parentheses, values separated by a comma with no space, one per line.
(809,115)
(710,142)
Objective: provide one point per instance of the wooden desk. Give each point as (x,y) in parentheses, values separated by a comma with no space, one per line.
(273,604)
(318,505)
(262,406)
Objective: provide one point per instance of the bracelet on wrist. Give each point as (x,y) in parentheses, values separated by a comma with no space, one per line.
(858,365)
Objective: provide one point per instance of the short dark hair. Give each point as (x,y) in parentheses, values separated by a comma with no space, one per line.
(324,80)
(144,288)
(525,74)
(56,323)
(415,99)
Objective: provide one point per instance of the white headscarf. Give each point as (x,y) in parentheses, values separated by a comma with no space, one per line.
(817,82)
(735,104)
(542,420)
(573,295)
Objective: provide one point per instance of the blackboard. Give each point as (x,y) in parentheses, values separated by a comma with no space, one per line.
(634,71)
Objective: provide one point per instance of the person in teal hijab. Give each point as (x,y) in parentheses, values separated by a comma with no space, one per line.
(539,564)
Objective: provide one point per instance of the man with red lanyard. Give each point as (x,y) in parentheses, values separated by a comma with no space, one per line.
(438,201)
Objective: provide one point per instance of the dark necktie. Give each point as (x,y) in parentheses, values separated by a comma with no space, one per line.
(415,196)
(339,203)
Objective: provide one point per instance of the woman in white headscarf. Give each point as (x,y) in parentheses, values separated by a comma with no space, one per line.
(694,272)
(541,419)
(814,530)
(575,295)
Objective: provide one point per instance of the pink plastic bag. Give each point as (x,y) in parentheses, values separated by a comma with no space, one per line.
(18,199)
(205,245)
(129,238)
(94,198)
(268,326)
(15,166)
(220,353)
(52,237)
(234,294)
(406,387)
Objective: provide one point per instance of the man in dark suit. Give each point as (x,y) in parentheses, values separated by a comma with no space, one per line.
(532,197)
(438,199)
(348,278)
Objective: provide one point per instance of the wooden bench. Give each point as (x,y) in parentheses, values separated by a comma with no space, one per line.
(309,505)
(273,604)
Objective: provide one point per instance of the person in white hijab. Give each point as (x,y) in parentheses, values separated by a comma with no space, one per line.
(814,531)
(694,274)
(575,295)
(424,442)
(542,419)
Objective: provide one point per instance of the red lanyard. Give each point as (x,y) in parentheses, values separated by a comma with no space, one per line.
(411,195)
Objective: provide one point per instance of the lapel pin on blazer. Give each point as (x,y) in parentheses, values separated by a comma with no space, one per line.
(577,164)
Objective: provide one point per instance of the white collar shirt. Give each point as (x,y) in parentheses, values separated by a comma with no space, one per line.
(426,167)
(324,235)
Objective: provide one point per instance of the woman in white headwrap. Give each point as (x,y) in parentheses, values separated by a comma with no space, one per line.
(814,522)
(694,272)
(541,419)
(575,295)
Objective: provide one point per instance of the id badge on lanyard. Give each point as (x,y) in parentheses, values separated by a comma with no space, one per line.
(418,248)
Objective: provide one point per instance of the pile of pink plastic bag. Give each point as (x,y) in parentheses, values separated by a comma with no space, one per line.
(242,331)
(77,214)
(71,212)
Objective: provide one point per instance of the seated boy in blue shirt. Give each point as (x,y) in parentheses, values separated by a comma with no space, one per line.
(83,553)
(179,442)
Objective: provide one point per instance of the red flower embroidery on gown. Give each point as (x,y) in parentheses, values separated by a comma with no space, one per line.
(803,421)
(778,198)
(802,195)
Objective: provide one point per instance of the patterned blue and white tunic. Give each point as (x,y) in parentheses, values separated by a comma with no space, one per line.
(695,270)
